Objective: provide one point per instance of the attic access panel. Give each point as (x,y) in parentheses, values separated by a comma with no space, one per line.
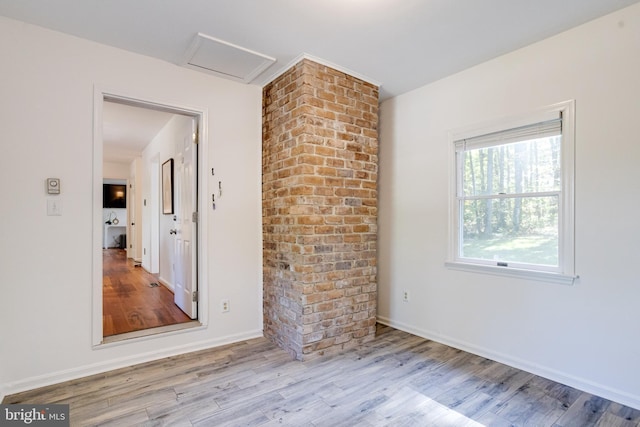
(224,59)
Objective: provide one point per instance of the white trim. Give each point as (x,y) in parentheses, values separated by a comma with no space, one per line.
(166,283)
(579,383)
(202,116)
(150,333)
(567,232)
(96,265)
(322,62)
(123,362)
(542,276)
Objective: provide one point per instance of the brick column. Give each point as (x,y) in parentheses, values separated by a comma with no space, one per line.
(319,199)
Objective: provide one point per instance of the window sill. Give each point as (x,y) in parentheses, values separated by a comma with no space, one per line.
(542,276)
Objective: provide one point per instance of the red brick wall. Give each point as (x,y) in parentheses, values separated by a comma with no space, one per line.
(319,201)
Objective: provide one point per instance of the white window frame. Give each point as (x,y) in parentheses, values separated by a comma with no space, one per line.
(565,272)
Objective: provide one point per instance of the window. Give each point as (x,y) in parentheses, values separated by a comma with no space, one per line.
(512,197)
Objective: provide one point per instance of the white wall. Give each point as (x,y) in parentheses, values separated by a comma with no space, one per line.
(584,335)
(46,120)
(115,170)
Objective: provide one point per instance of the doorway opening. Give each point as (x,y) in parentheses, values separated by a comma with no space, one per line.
(147,270)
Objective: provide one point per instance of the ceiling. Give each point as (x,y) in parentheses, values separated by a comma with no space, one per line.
(399,44)
(127,130)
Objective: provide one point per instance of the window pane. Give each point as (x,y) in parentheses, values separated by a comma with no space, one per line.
(519,229)
(515,168)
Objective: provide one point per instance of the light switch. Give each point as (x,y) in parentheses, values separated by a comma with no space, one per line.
(54,207)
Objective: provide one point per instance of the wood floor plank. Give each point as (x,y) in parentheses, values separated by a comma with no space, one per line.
(610,420)
(504,381)
(475,404)
(245,412)
(190,405)
(247,396)
(132,419)
(130,301)
(297,411)
(109,415)
(404,401)
(396,380)
(587,411)
(621,411)
(183,410)
(531,405)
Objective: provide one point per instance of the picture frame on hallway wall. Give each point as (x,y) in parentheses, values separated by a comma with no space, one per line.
(167,187)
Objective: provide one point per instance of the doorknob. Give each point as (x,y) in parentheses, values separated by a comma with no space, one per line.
(173,231)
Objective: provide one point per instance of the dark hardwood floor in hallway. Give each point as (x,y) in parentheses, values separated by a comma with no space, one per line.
(397,380)
(130,300)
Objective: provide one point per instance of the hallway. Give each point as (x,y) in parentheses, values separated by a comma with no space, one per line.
(133,299)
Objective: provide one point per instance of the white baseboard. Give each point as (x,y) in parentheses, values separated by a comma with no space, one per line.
(97,368)
(166,284)
(583,384)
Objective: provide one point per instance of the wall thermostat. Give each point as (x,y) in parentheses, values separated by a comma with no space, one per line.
(53,185)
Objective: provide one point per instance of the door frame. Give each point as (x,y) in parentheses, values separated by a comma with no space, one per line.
(201,116)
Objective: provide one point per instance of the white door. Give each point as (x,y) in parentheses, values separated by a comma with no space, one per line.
(185,206)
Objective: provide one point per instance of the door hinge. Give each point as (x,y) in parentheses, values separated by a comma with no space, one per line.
(194,217)
(194,296)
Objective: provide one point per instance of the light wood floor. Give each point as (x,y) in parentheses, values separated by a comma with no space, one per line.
(397,380)
(129,301)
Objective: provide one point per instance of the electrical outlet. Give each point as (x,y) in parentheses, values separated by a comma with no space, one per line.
(224,306)
(405,296)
